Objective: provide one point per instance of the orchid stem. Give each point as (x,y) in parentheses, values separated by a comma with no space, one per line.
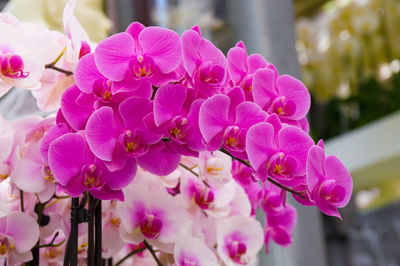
(189,169)
(21,199)
(51,244)
(194,173)
(58,57)
(246,163)
(152,252)
(129,255)
(66,72)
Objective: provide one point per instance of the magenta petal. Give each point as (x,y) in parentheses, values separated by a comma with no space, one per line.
(52,134)
(315,171)
(255,62)
(281,236)
(134,30)
(107,194)
(168,102)
(334,169)
(163,45)
(160,162)
(196,143)
(66,157)
(236,97)
(133,110)
(121,178)
(264,87)
(86,73)
(113,55)
(75,114)
(119,159)
(259,144)
(295,90)
(74,189)
(102,133)
(248,114)
(213,118)
(293,141)
(237,64)
(190,43)
(328,208)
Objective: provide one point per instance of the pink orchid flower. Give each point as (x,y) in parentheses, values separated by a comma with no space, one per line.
(140,55)
(19,232)
(204,63)
(25,49)
(282,157)
(78,43)
(242,68)
(193,251)
(328,181)
(236,246)
(156,219)
(177,111)
(279,226)
(225,119)
(283,95)
(76,169)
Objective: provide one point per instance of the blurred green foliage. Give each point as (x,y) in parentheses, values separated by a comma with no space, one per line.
(372,101)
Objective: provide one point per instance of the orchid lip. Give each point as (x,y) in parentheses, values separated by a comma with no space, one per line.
(142,66)
(91,177)
(6,246)
(179,129)
(151,226)
(12,66)
(133,144)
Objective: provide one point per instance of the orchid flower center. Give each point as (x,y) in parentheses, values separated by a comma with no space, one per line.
(235,138)
(82,249)
(211,73)
(179,129)
(188,262)
(283,107)
(204,197)
(91,177)
(331,191)
(6,246)
(247,84)
(213,167)
(85,49)
(133,144)
(115,221)
(12,66)
(4,171)
(236,250)
(281,165)
(102,89)
(151,226)
(142,66)
(52,253)
(48,174)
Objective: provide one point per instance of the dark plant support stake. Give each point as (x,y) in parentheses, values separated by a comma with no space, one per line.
(90,251)
(74,232)
(98,236)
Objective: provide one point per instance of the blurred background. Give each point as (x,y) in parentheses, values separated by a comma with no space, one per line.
(347,52)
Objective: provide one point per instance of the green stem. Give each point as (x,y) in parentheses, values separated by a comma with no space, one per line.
(246,163)
(129,255)
(152,253)
(66,72)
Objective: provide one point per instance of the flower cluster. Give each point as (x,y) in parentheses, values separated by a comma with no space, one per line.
(181,144)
